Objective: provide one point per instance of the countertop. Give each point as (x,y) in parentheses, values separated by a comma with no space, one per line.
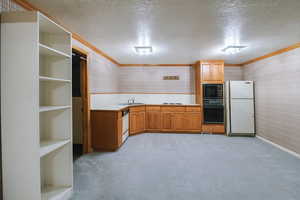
(123,107)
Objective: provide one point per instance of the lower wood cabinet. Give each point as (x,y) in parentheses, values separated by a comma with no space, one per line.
(137,120)
(153,120)
(193,121)
(181,122)
(106,127)
(167,121)
(213,128)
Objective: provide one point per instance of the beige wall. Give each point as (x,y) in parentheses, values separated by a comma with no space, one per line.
(103,74)
(150,79)
(9,5)
(277,81)
(233,73)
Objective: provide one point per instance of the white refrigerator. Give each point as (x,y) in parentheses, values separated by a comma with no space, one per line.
(240,114)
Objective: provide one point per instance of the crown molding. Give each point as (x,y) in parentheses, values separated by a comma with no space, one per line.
(155,65)
(233,65)
(280,51)
(28,6)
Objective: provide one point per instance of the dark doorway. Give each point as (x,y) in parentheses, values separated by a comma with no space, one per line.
(78,61)
(1,187)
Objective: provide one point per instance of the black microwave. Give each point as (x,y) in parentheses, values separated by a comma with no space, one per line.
(213,91)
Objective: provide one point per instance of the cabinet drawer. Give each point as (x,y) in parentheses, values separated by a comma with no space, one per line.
(137,109)
(152,108)
(193,109)
(213,128)
(172,109)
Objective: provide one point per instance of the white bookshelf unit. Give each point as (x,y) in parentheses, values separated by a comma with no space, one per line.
(36,96)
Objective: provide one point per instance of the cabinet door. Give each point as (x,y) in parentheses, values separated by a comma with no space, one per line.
(217,72)
(179,121)
(212,72)
(137,122)
(119,131)
(141,122)
(192,121)
(206,72)
(153,120)
(167,123)
(133,123)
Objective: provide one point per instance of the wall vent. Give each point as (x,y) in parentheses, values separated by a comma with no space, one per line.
(171,78)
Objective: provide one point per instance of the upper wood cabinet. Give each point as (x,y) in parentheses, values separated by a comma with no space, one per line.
(212,71)
(207,72)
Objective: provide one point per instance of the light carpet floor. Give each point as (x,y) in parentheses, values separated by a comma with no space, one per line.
(188,167)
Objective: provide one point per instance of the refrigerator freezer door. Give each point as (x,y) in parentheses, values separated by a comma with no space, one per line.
(241,89)
(242,117)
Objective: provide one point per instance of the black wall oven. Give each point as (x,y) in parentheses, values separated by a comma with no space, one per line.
(213,103)
(213,114)
(213,91)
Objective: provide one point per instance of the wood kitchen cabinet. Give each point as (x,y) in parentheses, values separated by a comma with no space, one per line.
(192,121)
(212,71)
(106,129)
(208,72)
(213,128)
(187,121)
(153,118)
(137,117)
(107,125)
(181,119)
(167,121)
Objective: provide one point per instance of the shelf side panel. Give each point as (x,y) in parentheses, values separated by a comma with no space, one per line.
(19,105)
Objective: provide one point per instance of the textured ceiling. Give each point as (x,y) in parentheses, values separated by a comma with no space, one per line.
(180,31)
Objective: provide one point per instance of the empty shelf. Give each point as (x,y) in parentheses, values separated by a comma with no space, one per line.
(49,26)
(52,108)
(55,193)
(45,78)
(48,51)
(49,146)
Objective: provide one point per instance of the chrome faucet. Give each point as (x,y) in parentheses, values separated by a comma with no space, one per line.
(131,100)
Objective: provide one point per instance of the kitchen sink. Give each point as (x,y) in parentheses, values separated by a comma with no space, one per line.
(125,104)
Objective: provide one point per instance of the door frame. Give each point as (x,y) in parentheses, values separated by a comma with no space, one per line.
(87,141)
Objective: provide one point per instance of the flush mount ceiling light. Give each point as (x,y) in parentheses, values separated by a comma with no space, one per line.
(143,50)
(232,49)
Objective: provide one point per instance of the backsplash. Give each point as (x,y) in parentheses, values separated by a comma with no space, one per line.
(159,98)
(98,100)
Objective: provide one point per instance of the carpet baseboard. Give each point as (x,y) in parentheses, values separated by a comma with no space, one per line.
(278,146)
